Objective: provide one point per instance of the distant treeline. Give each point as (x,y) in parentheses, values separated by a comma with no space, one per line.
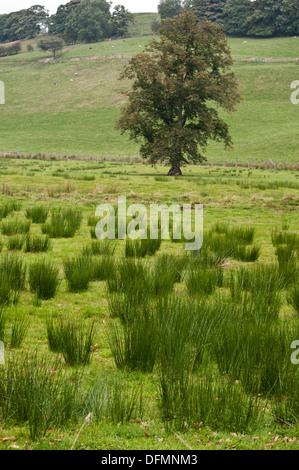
(259,18)
(93,20)
(77,21)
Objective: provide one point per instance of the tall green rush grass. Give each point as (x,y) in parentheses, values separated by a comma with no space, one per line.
(73,338)
(112,399)
(293,298)
(19,330)
(64,223)
(37,244)
(189,389)
(15,243)
(134,343)
(36,391)
(12,277)
(15,226)
(203,281)
(100,247)
(141,247)
(166,270)
(3,320)
(78,272)
(7,208)
(102,267)
(38,214)
(43,279)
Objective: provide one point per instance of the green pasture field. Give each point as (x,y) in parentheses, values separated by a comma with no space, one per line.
(142,24)
(262,199)
(70,106)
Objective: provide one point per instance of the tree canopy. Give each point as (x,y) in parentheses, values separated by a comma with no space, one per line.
(260,18)
(235,16)
(89,20)
(78,20)
(52,44)
(23,24)
(178,84)
(121,19)
(274,18)
(257,18)
(93,20)
(207,9)
(169,8)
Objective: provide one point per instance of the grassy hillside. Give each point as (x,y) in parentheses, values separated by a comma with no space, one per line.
(142,23)
(70,106)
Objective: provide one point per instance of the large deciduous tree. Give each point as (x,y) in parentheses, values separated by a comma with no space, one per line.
(178,83)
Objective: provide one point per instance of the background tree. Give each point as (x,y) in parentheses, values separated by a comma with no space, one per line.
(23,24)
(265,18)
(169,8)
(274,18)
(235,16)
(3,19)
(89,21)
(53,44)
(121,19)
(154,26)
(57,22)
(289,18)
(211,10)
(178,83)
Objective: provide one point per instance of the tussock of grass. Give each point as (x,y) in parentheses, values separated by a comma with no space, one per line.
(15,243)
(19,329)
(3,320)
(36,391)
(293,298)
(64,223)
(141,247)
(111,399)
(43,279)
(38,214)
(78,273)
(12,277)
(7,208)
(15,226)
(134,343)
(37,244)
(100,247)
(72,338)
(203,281)
(247,253)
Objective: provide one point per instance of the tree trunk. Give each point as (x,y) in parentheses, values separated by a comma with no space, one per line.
(175,171)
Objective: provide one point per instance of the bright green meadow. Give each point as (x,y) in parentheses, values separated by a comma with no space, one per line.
(143,345)
(165,349)
(70,106)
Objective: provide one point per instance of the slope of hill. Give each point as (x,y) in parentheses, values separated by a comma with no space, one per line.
(142,24)
(70,106)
